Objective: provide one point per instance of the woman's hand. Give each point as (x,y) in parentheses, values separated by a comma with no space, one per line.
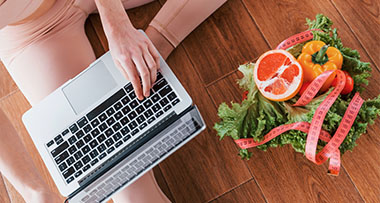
(132,52)
(136,56)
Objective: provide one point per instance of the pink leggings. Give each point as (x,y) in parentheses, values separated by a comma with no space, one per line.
(43,54)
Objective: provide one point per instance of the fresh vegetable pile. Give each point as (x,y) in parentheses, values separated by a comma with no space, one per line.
(260,111)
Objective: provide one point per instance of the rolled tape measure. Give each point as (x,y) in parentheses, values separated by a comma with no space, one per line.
(314,129)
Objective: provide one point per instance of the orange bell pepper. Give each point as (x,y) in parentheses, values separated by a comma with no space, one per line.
(316,58)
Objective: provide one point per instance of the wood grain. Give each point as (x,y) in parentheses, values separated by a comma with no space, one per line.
(7,85)
(226,39)
(14,106)
(363,17)
(4,197)
(243,193)
(282,174)
(204,168)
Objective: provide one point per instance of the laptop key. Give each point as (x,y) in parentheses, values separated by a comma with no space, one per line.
(79,134)
(140,119)
(78,155)
(94,153)
(135,131)
(117,106)
(103,127)
(110,112)
(126,110)
(95,123)
(125,130)
(86,159)
(155,98)
(109,132)
(132,95)
(93,144)
(117,136)
(133,104)
(59,149)
(72,149)
(164,91)
(72,139)
(140,109)
(125,100)
(142,126)
(118,144)
(73,128)
(167,108)
(78,165)
(176,101)
(118,115)
(150,120)
(156,108)
(86,149)
(124,121)
(65,132)
(70,161)
(102,117)
(62,167)
(164,102)
(102,156)
(116,127)
(132,125)
(128,87)
(110,121)
(110,150)
(58,140)
(87,128)
(93,162)
(85,168)
(109,142)
(101,138)
(158,114)
(172,96)
(159,85)
(101,148)
(148,113)
(132,115)
(79,144)
(126,138)
(82,122)
(148,103)
(95,133)
(50,143)
(87,138)
(78,173)
(68,172)
(159,75)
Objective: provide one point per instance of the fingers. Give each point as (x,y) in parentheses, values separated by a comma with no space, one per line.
(151,65)
(144,73)
(133,76)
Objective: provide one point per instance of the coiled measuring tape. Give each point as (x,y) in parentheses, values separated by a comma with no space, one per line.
(314,129)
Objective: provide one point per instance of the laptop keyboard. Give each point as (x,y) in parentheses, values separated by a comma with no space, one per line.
(108,126)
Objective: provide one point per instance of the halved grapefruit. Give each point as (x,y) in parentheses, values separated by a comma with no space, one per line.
(278,75)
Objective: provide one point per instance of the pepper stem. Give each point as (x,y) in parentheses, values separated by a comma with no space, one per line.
(321,54)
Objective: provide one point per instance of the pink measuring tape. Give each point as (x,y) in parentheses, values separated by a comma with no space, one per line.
(314,129)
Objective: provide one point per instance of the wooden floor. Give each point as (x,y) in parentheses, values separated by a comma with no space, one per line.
(209,170)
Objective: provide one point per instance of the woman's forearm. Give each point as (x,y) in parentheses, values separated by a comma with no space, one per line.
(15,162)
(113,16)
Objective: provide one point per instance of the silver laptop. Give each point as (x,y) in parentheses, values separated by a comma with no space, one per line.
(95,137)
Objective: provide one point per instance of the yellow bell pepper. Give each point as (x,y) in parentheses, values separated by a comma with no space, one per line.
(316,58)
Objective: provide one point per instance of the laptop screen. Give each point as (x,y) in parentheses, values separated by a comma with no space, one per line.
(89,87)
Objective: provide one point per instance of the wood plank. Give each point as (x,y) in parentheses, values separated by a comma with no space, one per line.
(204,168)
(4,197)
(227,38)
(243,193)
(367,31)
(289,19)
(282,174)
(162,183)
(7,85)
(92,36)
(14,106)
(140,18)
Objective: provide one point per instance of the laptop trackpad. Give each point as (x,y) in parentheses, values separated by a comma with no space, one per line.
(89,87)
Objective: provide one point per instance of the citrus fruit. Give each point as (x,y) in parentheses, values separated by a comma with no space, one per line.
(278,75)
